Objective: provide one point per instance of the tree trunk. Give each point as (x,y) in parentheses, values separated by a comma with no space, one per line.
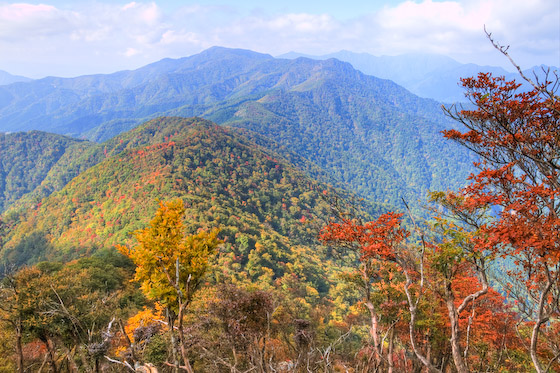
(19,349)
(186,362)
(374,333)
(374,319)
(174,352)
(541,319)
(52,355)
(456,350)
(390,352)
(413,309)
(459,358)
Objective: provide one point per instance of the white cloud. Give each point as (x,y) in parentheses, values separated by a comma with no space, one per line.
(131,52)
(305,23)
(148,14)
(105,37)
(24,21)
(456,27)
(172,37)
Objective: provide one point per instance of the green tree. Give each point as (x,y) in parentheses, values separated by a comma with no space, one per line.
(18,302)
(66,307)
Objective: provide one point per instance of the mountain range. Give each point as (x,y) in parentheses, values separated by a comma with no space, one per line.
(370,135)
(287,130)
(426,75)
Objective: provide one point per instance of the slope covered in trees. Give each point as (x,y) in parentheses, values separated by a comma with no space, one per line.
(371,135)
(28,158)
(267,212)
(368,134)
(257,199)
(263,295)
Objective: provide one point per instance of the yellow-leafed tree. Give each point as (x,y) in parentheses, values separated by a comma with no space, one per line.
(170,266)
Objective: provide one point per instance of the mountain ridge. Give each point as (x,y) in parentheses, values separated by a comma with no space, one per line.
(426,75)
(349,124)
(7,78)
(225,180)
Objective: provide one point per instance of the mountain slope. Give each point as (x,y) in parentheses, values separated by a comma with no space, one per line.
(369,134)
(35,164)
(261,203)
(28,158)
(74,106)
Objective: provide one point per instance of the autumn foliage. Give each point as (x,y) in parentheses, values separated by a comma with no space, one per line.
(474,287)
(377,239)
(517,135)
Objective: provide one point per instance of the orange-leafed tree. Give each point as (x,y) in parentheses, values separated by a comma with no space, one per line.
(457,270)
(516,133)
(447,274)
(456,258)
(170,267)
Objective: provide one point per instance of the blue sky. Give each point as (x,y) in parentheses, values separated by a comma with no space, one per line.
(69,38)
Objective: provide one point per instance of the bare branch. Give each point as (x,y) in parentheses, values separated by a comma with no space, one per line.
(126,364)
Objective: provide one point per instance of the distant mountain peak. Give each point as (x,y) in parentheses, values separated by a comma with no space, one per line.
(225,51)
(427,75)
(7,78)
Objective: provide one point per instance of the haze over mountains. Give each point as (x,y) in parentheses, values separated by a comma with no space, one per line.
(7,78)
(426,75)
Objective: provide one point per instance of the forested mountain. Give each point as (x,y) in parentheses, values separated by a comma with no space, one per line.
(34,164)
(186,244)
(369,134)
(27,159)
(268,214)
(258,200)
(124,99)
(426,75)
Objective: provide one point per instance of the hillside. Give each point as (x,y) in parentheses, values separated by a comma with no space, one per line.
(27,160)
(35,164)
(370,135)
(265,208)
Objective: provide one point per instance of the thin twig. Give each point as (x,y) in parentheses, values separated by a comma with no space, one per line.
(126,364)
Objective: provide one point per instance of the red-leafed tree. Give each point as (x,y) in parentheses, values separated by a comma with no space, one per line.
(447,274)
(377,277)
(517,135)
